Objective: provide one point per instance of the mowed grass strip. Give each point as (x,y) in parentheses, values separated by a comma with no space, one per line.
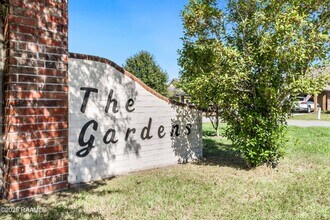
(217,187)
(311,116)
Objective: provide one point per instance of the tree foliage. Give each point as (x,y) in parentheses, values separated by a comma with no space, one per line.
(144,66)
(251,60)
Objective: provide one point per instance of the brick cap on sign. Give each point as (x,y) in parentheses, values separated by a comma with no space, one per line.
(130,75)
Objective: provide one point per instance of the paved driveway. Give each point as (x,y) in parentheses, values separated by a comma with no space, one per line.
(300,123)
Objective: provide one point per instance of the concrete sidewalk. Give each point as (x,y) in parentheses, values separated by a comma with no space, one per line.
(299,123)
(306,123)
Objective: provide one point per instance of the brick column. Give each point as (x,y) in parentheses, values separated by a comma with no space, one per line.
(1,98)
(328,100)
(324,101)
(36,98)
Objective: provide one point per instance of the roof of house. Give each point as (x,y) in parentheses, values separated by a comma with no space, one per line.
(327,88)
(325,69)
(175,90)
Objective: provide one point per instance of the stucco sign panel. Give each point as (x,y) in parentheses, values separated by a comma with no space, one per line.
(117,125)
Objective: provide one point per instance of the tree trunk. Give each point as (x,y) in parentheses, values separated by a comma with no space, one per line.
(217,120)
(218,131)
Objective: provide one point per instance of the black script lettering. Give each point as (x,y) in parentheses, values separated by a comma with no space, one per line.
(90,143)
(109,101)
(188,127)
(128,132)
(112,138)
(160,131)
(86,97)
(129,104)
(176,128)
(145,133)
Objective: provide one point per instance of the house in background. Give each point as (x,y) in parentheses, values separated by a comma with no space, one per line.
(177,94)
(323,99)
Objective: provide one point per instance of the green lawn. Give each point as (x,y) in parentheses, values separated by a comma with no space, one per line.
(218,187)
(312,116)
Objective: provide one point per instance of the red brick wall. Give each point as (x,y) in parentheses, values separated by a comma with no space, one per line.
(328,101)
(36,98)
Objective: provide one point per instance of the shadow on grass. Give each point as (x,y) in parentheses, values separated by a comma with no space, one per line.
(63,205)
(209,133)
(218,153)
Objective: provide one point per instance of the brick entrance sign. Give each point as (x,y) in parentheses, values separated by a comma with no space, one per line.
(71,118)
(35,138)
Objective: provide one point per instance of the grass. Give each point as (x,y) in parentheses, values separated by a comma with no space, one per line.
(312,116)
(218,187)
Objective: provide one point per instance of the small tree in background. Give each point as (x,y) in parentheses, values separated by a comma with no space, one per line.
(144,66)
(251,61)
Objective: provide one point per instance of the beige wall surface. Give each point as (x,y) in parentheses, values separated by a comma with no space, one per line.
(142,131)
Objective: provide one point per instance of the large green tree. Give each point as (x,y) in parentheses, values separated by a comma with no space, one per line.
(251,60)
(144,66)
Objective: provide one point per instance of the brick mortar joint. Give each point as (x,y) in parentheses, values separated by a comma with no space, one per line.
(40,24)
